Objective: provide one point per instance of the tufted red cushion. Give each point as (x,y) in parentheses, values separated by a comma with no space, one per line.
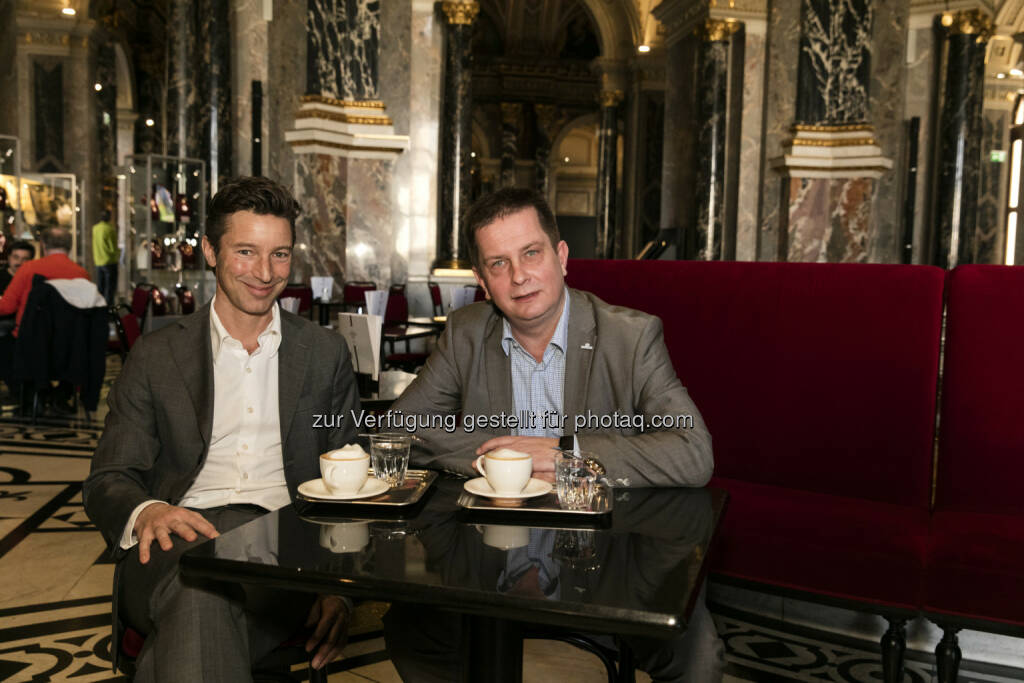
(976,566)
(818,377)
(846,548)
(981,448)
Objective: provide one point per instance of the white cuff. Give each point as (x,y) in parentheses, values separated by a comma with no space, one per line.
(128,539)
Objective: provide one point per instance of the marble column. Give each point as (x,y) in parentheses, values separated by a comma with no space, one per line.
(549,119)
(344,147)
(958,156)
(197,114)
(212,103)
(719,66)
(833,161)
(454,172)
(607,176)
(511,116)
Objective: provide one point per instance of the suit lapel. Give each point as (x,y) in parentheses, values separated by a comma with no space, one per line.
(581,342)
(499,376)
(198,377)
(292,360)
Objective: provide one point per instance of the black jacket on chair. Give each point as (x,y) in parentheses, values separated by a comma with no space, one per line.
(57,341)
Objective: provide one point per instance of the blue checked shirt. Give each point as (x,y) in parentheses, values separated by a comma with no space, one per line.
(537,387)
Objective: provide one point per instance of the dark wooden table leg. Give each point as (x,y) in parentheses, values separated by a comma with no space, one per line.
(495,650)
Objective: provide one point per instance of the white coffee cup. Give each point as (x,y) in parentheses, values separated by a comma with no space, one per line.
(345,537)
(345,470)
(507,471)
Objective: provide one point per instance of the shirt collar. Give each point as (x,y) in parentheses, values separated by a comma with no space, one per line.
(269,338)
(560,339)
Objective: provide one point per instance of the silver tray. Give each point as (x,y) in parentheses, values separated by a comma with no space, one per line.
(540,505)
(417,482)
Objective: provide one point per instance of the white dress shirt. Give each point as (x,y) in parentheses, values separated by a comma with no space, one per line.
(244,463)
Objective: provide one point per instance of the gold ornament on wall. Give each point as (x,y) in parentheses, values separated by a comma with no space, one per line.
(460,12)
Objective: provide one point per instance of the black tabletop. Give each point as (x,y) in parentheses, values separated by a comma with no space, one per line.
(638,574)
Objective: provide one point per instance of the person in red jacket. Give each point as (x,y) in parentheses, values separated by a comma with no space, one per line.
(54,265)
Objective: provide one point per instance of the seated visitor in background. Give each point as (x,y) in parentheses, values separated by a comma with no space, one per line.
(575,373)
(210,426)
(20,252)
(54,265)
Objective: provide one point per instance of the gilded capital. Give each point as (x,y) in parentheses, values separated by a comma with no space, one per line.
(510,112)
(718,29)
(971,22)
(611,98)
(460,12)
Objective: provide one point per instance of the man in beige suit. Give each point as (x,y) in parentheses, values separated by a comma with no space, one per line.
(539,347)
(596,377)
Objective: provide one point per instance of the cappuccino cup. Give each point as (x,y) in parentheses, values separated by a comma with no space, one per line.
(507,471)
(345,470)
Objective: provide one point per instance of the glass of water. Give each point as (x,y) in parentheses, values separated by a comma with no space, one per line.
(575,482)
(389,457)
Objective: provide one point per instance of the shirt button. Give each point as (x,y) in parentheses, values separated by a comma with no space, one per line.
(245,446)
(249,370)
(250,409)
(245,475)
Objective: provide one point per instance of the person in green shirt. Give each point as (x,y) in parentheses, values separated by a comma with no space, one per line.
(105,254)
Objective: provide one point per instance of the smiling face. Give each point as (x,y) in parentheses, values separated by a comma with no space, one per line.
(522,272)
(253,264)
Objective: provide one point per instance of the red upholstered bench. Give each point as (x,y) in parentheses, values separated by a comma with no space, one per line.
(975,567)
(818,385)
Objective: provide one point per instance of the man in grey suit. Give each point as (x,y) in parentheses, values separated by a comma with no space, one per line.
(542,367)
(600,374)
(210,426)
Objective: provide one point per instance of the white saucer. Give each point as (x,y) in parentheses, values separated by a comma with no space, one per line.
(480,487)
(315,488)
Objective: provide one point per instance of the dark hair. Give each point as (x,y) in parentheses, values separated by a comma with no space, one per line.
(249,193)
(105,215)
(498,205)
(56,238)
(23,246)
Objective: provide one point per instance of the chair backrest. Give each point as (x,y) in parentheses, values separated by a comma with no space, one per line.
(140,300)
(981,431)
(398,306)
(435,298)
(352,293)
(303,293)
(820,377)
(130,326)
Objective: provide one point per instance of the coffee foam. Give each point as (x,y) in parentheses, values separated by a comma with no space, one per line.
(507,454)
(352,451)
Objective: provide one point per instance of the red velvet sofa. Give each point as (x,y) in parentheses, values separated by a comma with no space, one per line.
(974,577)
(818,383)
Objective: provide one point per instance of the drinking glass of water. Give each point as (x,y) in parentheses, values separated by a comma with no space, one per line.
(389,457)
(575,482)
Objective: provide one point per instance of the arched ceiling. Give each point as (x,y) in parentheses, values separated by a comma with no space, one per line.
(539,26)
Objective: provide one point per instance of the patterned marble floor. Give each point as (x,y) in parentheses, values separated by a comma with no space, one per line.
(55,580)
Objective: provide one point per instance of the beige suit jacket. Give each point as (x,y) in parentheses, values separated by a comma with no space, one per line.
(616,364)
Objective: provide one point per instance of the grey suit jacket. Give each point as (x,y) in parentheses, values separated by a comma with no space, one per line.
(616,363)
(157,432)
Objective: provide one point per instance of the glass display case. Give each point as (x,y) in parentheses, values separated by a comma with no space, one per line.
(10,197)
(53,199)
(162,210)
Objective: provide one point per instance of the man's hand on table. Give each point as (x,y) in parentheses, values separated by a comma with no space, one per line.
(159,520)
(541,448)
(330,615)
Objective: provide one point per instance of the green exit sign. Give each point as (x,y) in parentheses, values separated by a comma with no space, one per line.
(997,156)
